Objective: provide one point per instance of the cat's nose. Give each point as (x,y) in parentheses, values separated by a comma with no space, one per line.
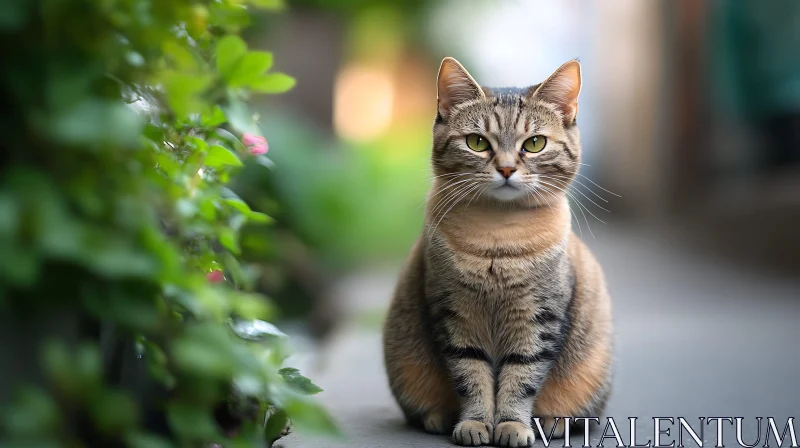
(506,171)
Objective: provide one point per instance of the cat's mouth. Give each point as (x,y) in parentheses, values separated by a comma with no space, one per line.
(507,184)
(506,191)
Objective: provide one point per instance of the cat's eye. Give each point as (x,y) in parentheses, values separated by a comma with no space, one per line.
(534,144)
(477,142)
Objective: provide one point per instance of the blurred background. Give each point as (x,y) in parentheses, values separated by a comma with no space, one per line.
(690,111)
(689,114)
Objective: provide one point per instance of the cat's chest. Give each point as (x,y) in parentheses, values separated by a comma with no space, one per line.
(495,274)
(508,277)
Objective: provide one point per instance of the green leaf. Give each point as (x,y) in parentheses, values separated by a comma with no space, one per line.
(93,123)
(299,382)
(260,218)
(208,208)
(115,257)
(240,118)
(275,425)
(183,91)
(229,240)
(191,421)
(10,215)
(213,119)
(238,276)
(87,363)
(180,54)
(134,59)
(113,411)
(265,161)
(273,83)
(220,156)
(205,350)
(34,413)
(269,4)
(146,440)
(153,132)
(250,306)
(76,374)
(198,144)
(310,417)
(157,364)
(230,50)
(238,204)
(228,15)
(231,140)
(256,330)
(20,266)
(250,68)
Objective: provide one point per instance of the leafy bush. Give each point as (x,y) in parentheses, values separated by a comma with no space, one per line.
(119,238)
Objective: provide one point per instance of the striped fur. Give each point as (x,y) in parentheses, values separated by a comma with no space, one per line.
(501,313)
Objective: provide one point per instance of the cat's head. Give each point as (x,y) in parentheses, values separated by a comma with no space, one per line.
(509,144)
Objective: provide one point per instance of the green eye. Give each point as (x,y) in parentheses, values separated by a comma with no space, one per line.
(534,144)
(477,142)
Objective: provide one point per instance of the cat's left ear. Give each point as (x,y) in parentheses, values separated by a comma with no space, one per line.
(562,89)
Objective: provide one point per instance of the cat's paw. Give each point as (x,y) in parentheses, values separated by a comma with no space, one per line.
(547,426)
(472,433)
(435,423)
(513,434)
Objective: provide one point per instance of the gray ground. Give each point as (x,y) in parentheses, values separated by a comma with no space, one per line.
(696,337)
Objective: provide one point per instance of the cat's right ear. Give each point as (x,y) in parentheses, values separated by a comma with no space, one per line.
(455,86)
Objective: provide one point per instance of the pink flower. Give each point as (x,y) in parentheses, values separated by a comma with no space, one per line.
(215,276)
(256,144)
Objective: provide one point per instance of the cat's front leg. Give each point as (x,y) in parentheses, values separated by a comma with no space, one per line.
(473,378)
(517,387)
(522,370)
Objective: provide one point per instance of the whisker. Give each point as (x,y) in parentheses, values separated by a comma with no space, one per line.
(453,181)
(577,200)
(457,197)
(539,197)
(565,185)
(572,179)
(477,194)
(447,175)
(585,219)
(446,198)
(581,207)
(453,205)
(572,212)
(451,199)
(596,184)
(441,189)
(448,184)
(528,193)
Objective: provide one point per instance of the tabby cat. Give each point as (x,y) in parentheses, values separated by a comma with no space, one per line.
(501,313)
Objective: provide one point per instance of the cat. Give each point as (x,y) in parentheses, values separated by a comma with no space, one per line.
(501,314)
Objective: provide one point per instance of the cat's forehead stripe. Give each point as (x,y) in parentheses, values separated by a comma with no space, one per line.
(498,120)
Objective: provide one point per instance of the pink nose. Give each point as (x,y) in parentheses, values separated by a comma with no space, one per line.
(506,171)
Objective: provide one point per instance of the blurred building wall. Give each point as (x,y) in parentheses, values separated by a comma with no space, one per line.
(307,44)
(627,45)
